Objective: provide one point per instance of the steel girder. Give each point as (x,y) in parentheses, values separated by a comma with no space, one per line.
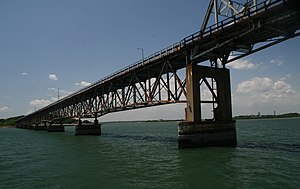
(219,10)
(164,86)
(154,80)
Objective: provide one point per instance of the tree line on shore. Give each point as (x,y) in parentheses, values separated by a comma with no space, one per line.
(12,120)
(287,115)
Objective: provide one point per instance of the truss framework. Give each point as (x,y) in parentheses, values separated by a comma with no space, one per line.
(163,87)
(240,29)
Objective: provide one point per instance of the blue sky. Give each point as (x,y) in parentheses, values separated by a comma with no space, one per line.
(50,44)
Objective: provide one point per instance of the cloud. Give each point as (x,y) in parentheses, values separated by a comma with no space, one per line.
(264,94)
(24,73)
(39,103)
(277,62)
(254,85)
(83,84)
(61,91)
(4,109)
(242,64)
(266,88)
(53,77)
(53,93)
(287,76)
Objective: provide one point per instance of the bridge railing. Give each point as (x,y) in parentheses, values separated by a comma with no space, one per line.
(262,6)
(176,47)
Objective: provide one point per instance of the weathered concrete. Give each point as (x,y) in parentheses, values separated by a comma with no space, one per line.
(220,131)
(56,128)
(191,135)
(88,128)
(194,74)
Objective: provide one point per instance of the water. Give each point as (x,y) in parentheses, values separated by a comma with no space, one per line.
(145,155)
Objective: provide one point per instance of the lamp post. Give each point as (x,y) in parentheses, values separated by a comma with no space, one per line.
(142,50)
(57,94)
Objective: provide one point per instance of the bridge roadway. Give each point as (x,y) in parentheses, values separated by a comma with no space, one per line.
(154,80)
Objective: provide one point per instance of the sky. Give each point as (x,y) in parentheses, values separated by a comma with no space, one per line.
(51,45)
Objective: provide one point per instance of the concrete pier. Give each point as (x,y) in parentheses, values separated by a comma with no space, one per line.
(88,128)
(56,128)
(191,135)
(40,127)
(220,130)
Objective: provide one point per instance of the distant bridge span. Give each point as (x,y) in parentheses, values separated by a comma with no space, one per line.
(238,30)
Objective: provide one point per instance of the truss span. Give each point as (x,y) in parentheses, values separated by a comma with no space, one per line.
(239,30)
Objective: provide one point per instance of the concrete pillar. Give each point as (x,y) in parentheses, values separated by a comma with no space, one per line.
(193,109)
(55,127)
(40,126)
(88,128)
(220,131)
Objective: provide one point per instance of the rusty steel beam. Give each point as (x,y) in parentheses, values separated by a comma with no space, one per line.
(240,30)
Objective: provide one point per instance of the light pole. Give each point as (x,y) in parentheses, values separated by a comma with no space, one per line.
(141,49)
(57,94)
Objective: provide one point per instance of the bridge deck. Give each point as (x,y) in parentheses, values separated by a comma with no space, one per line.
(265,26)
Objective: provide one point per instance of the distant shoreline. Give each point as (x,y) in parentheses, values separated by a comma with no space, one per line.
(144,121)
(10,122)
(282,116)
(6,126)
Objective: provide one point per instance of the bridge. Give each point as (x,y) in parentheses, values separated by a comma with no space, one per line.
(231,30)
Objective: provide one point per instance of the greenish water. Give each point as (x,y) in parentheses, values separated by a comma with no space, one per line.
(145,155)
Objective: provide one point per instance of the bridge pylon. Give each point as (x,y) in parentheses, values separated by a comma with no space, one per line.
(88,128)
(54,127)
(218,131)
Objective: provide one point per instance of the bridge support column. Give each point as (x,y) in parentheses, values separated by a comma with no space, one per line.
(40,127)
(88,128)
(56,127)
(219,131)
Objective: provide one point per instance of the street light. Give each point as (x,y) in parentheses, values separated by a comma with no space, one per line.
(58,94)
(141,49)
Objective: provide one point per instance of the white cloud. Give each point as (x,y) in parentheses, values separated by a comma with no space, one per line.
(288,76)
(24,73)
(256,84)
(39,103)
(53,77)
(53,94)
(83,84)
(266,88)
(242,64)
(52,89)
(264,94)
(61,91)
(277,62)
(4,109)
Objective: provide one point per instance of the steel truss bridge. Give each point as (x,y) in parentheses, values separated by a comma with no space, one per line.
(231,30)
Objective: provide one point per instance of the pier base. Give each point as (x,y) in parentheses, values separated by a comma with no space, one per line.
(88,128)
(40,128)
(56,128)
(192,135)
